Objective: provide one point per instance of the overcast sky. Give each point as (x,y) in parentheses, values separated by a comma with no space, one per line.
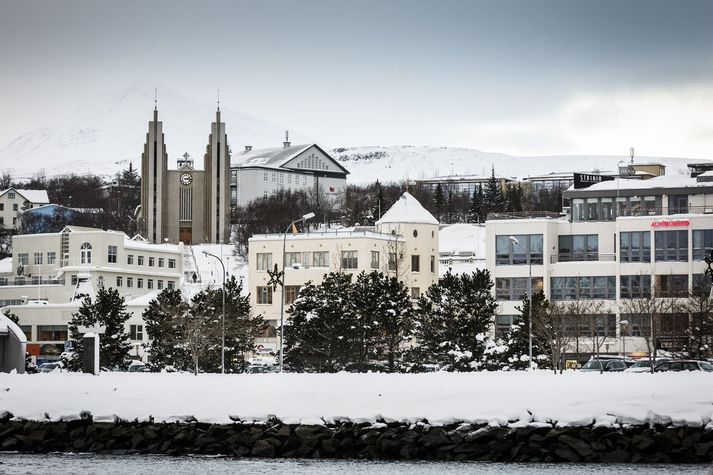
(523,77)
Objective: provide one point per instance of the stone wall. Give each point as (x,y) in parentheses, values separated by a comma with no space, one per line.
(618,444)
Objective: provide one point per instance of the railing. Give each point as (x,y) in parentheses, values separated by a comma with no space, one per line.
(336,232)
(524,215)
(613,213)
(582,257)
(29,282)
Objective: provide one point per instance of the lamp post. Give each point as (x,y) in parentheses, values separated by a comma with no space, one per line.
(623,329)
(282,284)
(222,344)
(515,242)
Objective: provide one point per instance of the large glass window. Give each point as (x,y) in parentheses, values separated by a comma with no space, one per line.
(677,204)
(671,285)
(349,260)
(51,257)
(515,288)
(635,246)
(264,261)
(671,245)
(291,292)
(581,247)
(529,249)
(292,258)
(374,259)
(51,332)
(583,287)
(320,259)
(503,324)
(635,286)
(702,243)
(701,283)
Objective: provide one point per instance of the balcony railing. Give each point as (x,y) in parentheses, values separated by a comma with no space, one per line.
(582,257)
(30,282)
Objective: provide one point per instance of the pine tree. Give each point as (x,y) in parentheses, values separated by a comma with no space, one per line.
(166,348)
(493,200)
(517,339)
(107,310)
(475,213)
(439,201)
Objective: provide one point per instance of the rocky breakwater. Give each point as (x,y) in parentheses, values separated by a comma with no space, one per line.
(617,443)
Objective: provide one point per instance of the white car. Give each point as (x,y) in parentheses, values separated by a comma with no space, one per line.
(643,366)
(53,367)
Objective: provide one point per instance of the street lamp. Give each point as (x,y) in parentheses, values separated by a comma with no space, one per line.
(222,345)
(515,242)
(623,330)
(304,218)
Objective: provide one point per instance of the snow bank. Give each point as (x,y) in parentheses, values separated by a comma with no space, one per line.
(497,398)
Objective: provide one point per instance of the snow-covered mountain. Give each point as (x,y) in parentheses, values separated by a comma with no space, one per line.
(366,164)
(104,137)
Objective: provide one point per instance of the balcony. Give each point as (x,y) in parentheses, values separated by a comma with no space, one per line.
(582,257)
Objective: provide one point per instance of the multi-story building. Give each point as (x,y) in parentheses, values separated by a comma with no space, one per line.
(463,184)
(403,243)
(14,201)
(48,275)
(260,173)
(624,240)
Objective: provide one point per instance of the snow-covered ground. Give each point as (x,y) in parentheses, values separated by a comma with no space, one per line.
(574,398)
(207,269)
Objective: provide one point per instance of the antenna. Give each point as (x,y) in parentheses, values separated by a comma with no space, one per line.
(218,99)
(287,135)
(631,154)
(155,99)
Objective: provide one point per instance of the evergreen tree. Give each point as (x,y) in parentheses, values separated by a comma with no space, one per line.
(439,202)
(166,348)
(517,339)
(514,198)
(452,321)
(109,311)
(475,213)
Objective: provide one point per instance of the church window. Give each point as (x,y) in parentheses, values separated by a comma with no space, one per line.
(85,253)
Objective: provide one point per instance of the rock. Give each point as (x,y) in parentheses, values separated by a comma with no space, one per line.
(263,448)
(435,438)
(565,453)
(615,456)
(581,447)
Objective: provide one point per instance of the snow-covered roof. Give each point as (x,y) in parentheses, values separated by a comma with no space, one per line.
(33,196)
(268,157)
(407,210)
(462,239)
(6,265)
(465,178)
(143,300)
(660,182)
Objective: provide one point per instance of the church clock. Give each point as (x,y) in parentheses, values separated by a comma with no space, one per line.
(186,179)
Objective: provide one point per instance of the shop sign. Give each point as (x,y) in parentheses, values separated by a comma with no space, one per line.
(666,223)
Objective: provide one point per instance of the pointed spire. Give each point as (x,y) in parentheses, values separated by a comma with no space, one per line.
(155,99)
(219,99)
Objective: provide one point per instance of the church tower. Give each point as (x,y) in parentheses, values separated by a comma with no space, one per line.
(154,165)
(217,180)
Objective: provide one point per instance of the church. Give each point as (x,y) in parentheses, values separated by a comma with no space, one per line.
(185,205)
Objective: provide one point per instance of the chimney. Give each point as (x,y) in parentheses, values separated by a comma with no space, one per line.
(286,143)
(248,148)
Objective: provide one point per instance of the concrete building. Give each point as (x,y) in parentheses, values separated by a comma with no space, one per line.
(467,184)
(260,173)
(624,239)
(403,243)
(14,201)
(184,204)
(49,274)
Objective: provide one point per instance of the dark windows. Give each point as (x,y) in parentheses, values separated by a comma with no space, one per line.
(349,260)
(578,247)
(374,259)
(291,292)
(136,332)
(635,246)
(672,246)
(671,285)
(587,287)
(264,295)
(515,288)
(677,204)
(415,263)
(111,254)
(523,249)
(635,286)
(702,243)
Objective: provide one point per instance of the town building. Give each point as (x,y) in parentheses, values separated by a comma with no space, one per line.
(13,201)
(624,239)
(463,184)
(403,243)
(260,173)
(184,204)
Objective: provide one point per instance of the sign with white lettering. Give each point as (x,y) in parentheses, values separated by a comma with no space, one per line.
(585,180)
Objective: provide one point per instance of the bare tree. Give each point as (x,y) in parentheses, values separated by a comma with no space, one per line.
(550,329)
(698,308)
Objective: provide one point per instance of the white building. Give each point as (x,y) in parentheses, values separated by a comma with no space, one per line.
(404,243)
(48,275)
(624,239)
(14,201)
(260,173)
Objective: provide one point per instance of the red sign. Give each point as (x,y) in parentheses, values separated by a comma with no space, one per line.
(665,223)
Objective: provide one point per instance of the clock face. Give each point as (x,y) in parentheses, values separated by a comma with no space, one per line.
(186,179)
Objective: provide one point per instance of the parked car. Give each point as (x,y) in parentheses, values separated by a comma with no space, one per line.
(259,369)
(644,365)
(683,365)
(52,367)
(607,365)
(137,367)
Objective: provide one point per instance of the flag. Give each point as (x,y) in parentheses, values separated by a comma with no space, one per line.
(294,229)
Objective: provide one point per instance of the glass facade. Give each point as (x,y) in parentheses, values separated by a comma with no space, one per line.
(573,288)
(635,246)
(580,247)
(527,249)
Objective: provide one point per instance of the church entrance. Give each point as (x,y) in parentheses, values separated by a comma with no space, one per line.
(185,234)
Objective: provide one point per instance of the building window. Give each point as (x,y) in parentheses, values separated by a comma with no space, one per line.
(580,247)
(291,292)
(73,280)
(635,246)
(415,293)
(129,281)
(170,284)
(159,284)
(27,330)
(11,195)
(528,249)
(264,295)
(374,259)
(635,286)
(292,258)
(393,263)
(504,323)
(136,332)
(51,257)
(320,259)
(349,260)
(111,254)
(119,281)
(274,177)
(671,285)
(433,264)
(161,262)
(140,261)
(23,258)
(15,207)
(264,176)
(671,246)
(130,259)
(38,258)
(85,253)
(583,287)
(515,288)
(139,283)
(415,263)
(702,243)
(264,261)
(152,261)
(172,263)
(149,283)
(51,332)
(701,284)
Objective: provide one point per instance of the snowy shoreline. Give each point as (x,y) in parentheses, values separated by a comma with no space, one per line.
(514,399)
